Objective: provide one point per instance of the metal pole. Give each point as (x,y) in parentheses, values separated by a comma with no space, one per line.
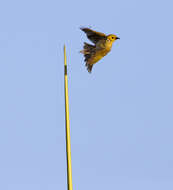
(68,146)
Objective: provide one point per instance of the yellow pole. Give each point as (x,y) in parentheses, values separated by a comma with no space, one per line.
(68,146)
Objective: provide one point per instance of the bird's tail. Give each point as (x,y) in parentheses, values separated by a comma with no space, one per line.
(88,50)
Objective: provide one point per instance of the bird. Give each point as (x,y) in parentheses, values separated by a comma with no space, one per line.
(102,46)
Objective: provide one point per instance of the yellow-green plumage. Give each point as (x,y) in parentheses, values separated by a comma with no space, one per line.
(102,46)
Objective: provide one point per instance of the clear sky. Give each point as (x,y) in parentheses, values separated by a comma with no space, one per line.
(121,115)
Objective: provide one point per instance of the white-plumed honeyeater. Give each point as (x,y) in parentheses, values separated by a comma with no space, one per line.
(102,46)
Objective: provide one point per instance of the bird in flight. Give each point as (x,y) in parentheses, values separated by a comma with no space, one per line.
(102,46)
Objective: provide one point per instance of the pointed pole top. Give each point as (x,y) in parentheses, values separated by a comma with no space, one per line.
(65,61)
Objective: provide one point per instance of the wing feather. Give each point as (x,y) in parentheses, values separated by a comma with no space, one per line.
(93,35)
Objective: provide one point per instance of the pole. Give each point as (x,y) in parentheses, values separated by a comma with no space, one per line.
(67,123)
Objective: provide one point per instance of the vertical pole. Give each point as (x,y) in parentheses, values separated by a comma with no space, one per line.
(68,146)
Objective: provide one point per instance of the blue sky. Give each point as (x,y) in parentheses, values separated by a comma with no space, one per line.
(121,115)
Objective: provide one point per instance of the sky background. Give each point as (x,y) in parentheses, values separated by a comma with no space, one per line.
(121,115)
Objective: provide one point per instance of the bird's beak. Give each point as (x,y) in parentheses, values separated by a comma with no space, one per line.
(117,38)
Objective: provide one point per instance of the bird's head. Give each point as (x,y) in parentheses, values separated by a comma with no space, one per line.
(112,38)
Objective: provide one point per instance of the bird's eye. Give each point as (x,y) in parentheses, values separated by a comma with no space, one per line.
(112,37)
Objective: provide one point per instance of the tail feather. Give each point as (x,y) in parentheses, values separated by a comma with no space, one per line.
(89,67)
(88,52)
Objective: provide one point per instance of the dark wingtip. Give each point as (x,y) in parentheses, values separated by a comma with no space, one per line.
(82,28)
(85,28)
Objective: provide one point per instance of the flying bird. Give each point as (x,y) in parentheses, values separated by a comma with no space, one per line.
(102,46)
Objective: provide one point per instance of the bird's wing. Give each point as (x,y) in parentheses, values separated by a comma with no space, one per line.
(93,35)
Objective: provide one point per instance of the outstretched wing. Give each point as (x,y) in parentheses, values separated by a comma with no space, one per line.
(93,35)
